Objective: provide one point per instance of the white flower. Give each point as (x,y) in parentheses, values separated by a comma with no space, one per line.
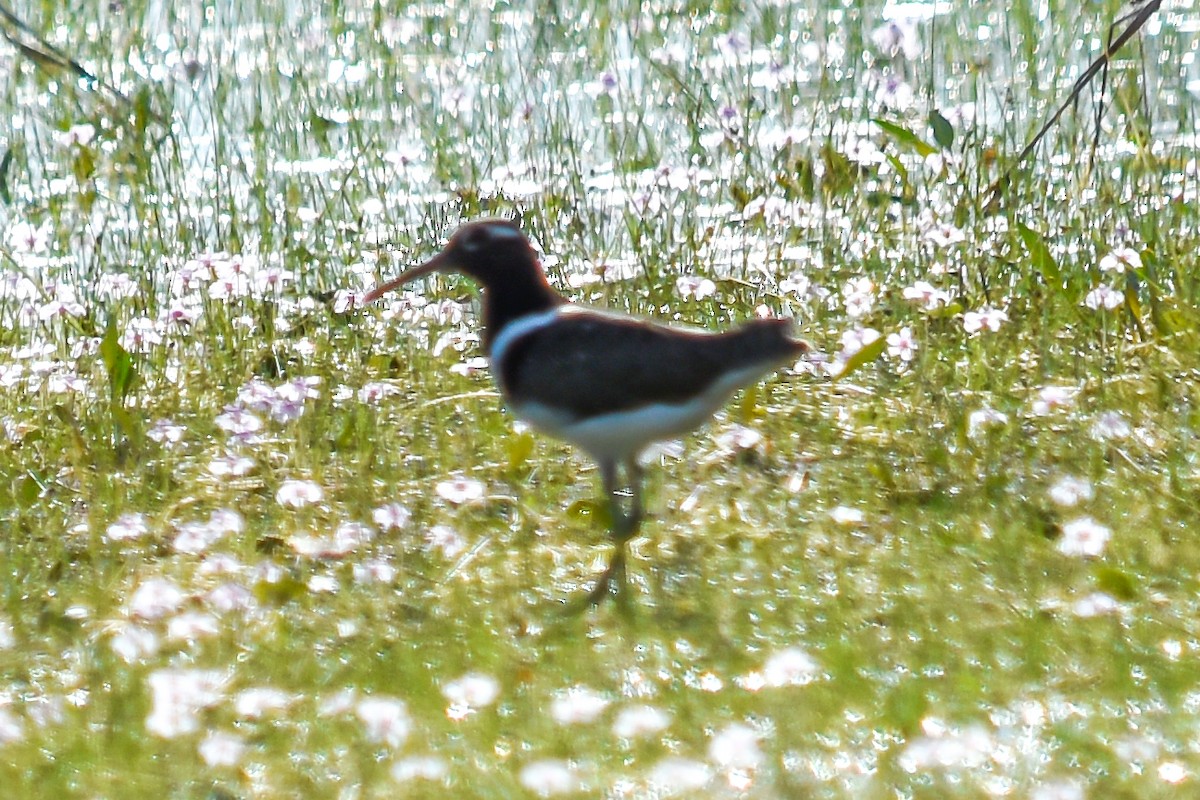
(640,720)
(1069,491)
(446,539)
(1096,604)
(945,235)
(791,666)
(1110,425)
(1084,537)
(127,526)
(946,748)
(133,643)
(676,776)
(385,718)
(1050,398)
(155,599)
(178,697)
(845,515)
(691,286)
(983,418)
(902,345)
(190,626)
(220,749)
(1120,259)
(1103,297)
(990,318)
(430,768)
(297,494)
(577,704)
(80,134)
(471,691)
(927,295)
(392,515)
(257,702)
(1058,790)
(457,491)
(549,777)
(735,747)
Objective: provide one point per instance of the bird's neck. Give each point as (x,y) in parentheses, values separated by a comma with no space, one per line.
(507,302)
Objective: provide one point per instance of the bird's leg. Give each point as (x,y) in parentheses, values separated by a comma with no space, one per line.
(623,527)
(633,520)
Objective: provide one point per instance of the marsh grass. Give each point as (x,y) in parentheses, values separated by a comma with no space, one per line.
(851,587)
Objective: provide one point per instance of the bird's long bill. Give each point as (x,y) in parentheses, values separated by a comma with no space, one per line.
(435,264)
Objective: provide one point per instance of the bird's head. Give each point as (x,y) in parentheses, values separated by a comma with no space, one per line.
(493,252)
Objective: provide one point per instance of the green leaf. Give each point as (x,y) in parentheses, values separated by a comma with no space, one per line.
(943,131)
(841,175)
(1115,582)
(117,363)
(865,355)
(1039,253)
(520,448)
(905,137)
(5,164)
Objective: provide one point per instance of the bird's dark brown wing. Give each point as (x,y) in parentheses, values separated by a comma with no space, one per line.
(591,363)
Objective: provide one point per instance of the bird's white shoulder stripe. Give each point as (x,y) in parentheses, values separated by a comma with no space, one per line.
(518,328)
(499,231)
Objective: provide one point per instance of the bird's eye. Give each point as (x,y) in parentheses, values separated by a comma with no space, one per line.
(475,240)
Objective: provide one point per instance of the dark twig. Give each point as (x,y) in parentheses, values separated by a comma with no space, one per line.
(1137,20)
(46,56)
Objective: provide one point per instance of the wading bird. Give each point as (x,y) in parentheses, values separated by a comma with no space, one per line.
(607,383)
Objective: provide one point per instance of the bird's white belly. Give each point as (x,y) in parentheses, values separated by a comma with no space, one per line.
(623,434)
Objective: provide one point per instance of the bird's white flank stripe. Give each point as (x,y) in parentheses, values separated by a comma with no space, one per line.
(515,330)
(620,435)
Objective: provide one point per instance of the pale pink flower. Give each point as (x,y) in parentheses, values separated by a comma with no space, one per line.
(374,571)
(692,286)
(192,625)
(178,697)
(850,517)
(1084,537)
(1069,491)
(299,493)
(1053,398)
(127,526)
(897,37)
(791,666)
(945,235)
(257,702)
(677,776)
(735,747)
(902,345)
(430,768)
(1104,297)
(392,516)
(446,539)
(633,722)
(549,777)
(926,294)
(1120,259)
(374,391)
(78,135)
(133,643)
(989,318)
(1096,604)
(471,691)
(577,704)
(155,598)
(1111,425)
(385,719)
(221,749)
(457,491)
